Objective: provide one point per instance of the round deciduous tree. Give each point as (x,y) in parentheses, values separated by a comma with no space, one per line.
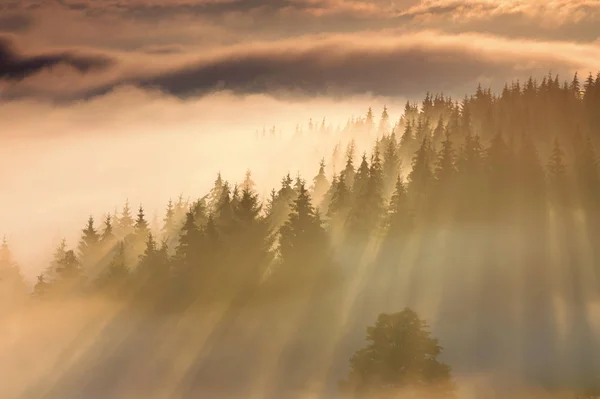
(401,358)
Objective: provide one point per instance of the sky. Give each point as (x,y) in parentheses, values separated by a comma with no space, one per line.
(107,100)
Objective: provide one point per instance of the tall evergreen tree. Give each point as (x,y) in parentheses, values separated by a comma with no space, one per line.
(88,245)
(391,165)
(399,218)
(303,242)
(384,122)
(320,183)
(348,173)
(420,177)
(445,167)
(107,233)
(141,224)
(126,221)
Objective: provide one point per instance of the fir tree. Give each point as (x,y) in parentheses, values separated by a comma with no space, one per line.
(215,195)
(320,183)
(88,245)
(169,220)
(126,221)
(445,167)
(107,233)
(361,178)
(248,182)
(391,165)
(303,243)
(420,177)
(141,225)
(384,122)
(348,173)
(399,216)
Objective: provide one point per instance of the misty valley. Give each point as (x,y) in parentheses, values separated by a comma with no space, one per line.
(451,253)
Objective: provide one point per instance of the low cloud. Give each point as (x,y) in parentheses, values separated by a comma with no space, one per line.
(381,64)
(15,22)
(17,66)
(576,20)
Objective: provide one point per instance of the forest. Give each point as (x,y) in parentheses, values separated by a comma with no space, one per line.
(481,214)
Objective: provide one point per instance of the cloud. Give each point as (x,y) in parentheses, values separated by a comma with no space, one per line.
(15,22)
(16,66)
(383,64)
(558,19)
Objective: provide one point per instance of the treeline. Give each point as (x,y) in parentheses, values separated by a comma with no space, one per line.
(520,158)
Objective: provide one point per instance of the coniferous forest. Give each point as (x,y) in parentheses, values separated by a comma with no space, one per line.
(477,219)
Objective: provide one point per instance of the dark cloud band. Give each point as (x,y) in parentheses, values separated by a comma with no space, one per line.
(15,66)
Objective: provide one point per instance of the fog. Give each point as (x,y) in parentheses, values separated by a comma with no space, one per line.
(62,164)
(491,242)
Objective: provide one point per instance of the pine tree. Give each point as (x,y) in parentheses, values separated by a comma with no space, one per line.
(88,245)
(369,121)
(391,165)
(215,195)
(439,131)
(107,234)
(248,182)
(117,273)
(320,183)
(303,243)
(399,217)
(188,257)
(341,201)
(401,356)
(407,140)
(50,274)
(348,173)
(384,123)
(251,252)
(126,221)
(169,220)
(361,178)
(420,177)
(445,167)
(141,225)
(224,210)
(69,272)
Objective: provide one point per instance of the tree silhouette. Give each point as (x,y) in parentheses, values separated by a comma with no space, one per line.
(401,356)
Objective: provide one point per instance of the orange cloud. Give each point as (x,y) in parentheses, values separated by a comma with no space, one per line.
(381,63)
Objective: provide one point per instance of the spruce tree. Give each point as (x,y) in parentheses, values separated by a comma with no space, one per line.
(445,167)
(420,177)
(348,173)
(303,242)
(125,221)
(384,122)
(141,225)
(361,178)
(215,195)
(50,274)
(320,183)
(399,216)
(88,245)
(391,165)
(407,140)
